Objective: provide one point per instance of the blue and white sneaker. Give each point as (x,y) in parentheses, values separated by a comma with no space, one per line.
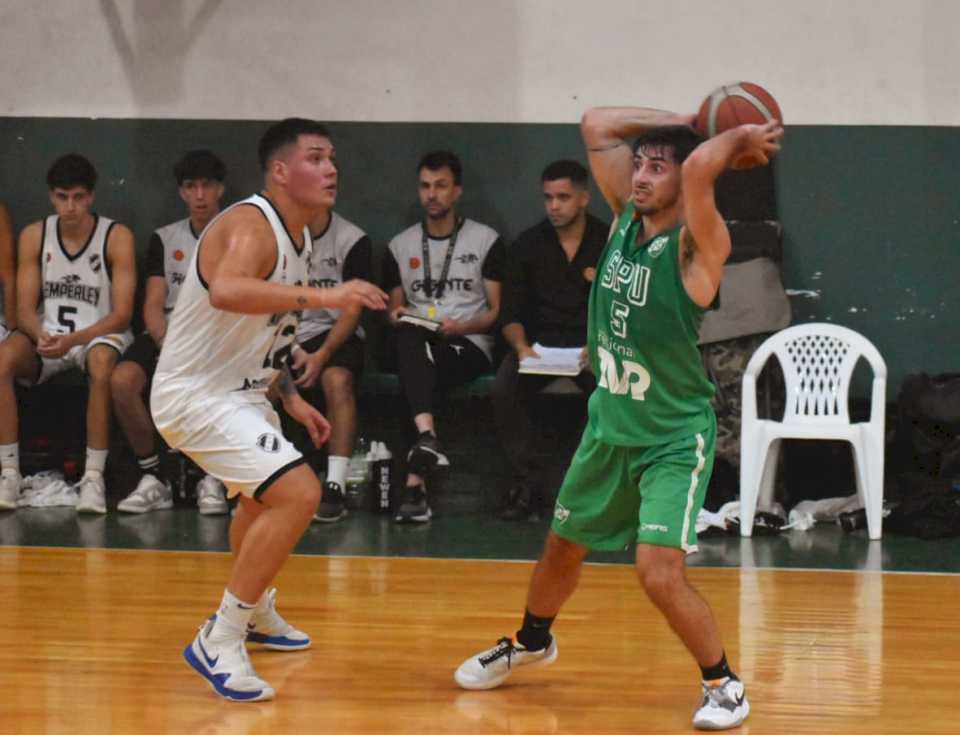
(268,629)
(226,666)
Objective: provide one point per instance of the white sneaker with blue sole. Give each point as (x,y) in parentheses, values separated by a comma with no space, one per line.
(268,628)
(226,666)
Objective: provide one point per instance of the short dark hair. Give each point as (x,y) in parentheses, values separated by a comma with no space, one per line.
(199,164)
(566,169)
(436,160)
(71,170)
(682,140)
(284,133)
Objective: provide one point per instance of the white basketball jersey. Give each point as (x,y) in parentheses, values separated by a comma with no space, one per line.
(330,251)
(208,351)
(76,288)
(179,242)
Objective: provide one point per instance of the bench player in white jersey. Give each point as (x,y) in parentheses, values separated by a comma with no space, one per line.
(8,276)
(228,342)
(329,351)
(76,278)
(200,175)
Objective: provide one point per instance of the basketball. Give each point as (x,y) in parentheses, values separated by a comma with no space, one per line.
(738,103)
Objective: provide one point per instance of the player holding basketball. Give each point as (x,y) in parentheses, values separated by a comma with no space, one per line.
(644,461)
(228,342)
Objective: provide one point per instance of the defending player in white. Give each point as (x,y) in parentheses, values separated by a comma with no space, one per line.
(227,346)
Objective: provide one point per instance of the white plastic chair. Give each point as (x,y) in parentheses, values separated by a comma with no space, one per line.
(817,361)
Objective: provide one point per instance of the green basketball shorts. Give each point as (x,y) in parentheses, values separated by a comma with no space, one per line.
(612,496)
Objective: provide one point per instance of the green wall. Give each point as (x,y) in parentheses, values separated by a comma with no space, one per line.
(871,215)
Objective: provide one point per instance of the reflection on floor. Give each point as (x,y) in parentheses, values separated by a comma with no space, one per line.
(467,536)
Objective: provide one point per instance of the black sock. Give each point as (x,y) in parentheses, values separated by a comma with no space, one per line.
(719,670)
(151,466)
(535,633)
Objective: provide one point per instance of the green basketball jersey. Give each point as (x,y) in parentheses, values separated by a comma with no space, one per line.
(642,343)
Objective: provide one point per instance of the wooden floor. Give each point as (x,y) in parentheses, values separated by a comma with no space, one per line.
(90,642)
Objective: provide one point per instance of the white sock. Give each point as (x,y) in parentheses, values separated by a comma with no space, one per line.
(10,457)
(337,470)
(96,460)
(232,617)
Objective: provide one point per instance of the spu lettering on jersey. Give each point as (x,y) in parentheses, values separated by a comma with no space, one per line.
(626,278)
(70,287)
(450,284)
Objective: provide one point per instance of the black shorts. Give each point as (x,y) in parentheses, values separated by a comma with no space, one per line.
(143,352)
(349,355)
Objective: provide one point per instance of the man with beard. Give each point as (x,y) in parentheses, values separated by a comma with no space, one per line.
(640,473)
(548,275)
(445,272)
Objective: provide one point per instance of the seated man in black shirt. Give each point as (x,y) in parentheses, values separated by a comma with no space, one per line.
(548,276)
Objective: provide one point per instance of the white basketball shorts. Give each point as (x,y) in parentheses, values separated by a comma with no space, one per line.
(76,357)
(234,437)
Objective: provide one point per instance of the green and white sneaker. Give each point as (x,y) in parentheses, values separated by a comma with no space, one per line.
(492,667)
(723,705)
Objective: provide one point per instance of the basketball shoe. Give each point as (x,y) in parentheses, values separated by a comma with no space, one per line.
(425,454)
(723,705)
(224,663)
(9,489)
(93,494)
(270,630)
(211,500)
(492,667)
(413,505)
(150,494)
(331,508)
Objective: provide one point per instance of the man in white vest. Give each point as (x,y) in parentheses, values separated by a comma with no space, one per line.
(443,275)
(77,277)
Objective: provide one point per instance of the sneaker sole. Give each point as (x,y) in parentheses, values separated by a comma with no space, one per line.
(101,510)
(422,518)
(204,511)
(232,695)
(744,711)
(4,505)
(494,683)
(330,519)
(276,644)
(167,505)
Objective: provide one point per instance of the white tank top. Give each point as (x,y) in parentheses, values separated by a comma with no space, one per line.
(179,242)
(208,351)
(76,288)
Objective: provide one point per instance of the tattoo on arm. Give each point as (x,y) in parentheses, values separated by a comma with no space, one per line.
(282,387)
(285,386)
(302,301)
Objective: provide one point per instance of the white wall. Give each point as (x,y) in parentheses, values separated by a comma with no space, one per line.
(827,61)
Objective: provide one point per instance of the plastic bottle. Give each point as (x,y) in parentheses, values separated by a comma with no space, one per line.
(357,474)
(383,477)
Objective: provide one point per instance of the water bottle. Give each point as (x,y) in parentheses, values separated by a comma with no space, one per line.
(357,475)
(383,476)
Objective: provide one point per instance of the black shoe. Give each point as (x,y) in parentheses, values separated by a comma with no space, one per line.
(413,506)
(331,507)
(425,454)
(522,504)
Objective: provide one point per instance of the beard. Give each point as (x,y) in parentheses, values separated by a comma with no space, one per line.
(438,213)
